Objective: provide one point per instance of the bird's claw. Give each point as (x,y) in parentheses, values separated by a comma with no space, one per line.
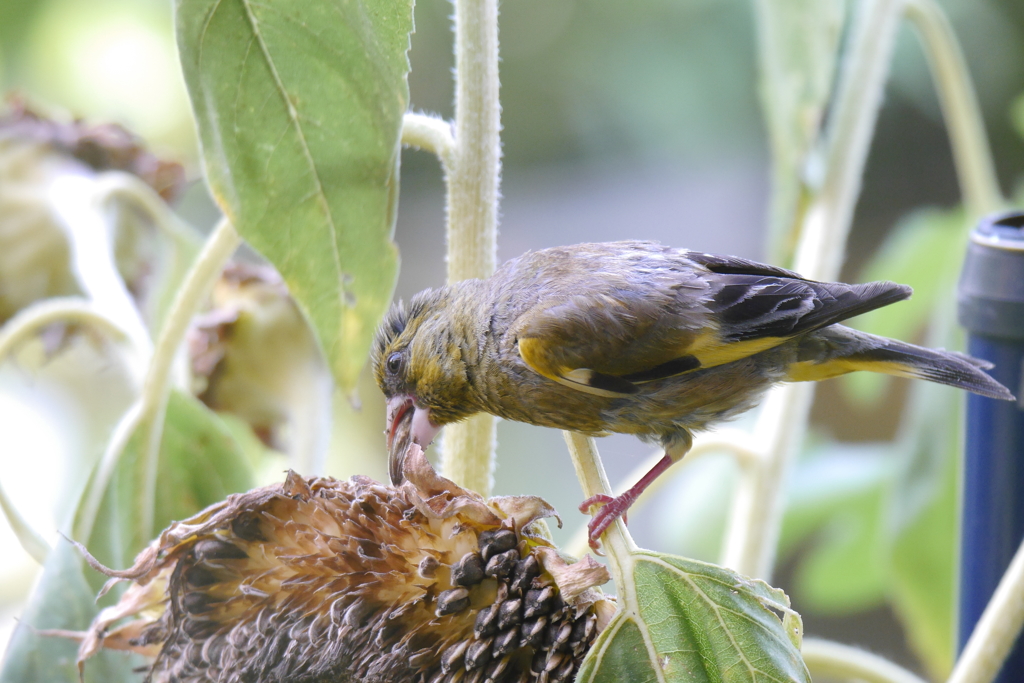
(600,499)
(611,509)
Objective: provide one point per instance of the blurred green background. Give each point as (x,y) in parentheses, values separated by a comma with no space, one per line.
(621,120)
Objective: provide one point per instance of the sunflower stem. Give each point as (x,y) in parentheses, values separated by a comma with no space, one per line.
(429,133)
(473,176)
(617,543)
(971,152)
(156,391)
(834,661)
(145,418)
(759,502)
(28,322)
(996,631)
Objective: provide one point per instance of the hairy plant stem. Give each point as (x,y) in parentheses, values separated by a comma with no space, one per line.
(145,419)
(996,631)
(737,443)
(758,506)
(834,661)
(429,133)
(971,152)
(617,543)
(473,175)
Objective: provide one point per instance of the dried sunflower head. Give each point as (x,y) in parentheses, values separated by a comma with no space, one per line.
(325,580)
(35,256)
(255,356)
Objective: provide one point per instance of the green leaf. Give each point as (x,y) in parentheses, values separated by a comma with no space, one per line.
(799,46)
(200,464)
(299,106)
(684,620)
(837,517)
(924,518)
(64,598)
(884,522)
(925,251)
(1017,114)
(923,581)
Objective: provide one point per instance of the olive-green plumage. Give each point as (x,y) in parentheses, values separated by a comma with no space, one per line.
(634,337)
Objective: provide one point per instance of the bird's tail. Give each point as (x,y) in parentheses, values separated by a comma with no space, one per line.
(837,350)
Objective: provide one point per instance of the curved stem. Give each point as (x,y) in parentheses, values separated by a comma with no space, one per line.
(759,502)
(34,544)
(89,508)
(971,152)
(618,544)
(473,178)
(430,133)
(996,631)
(28,321)
(737,443)
(156,391)
(146,415)
(112,185)
(826,659)
(73,198)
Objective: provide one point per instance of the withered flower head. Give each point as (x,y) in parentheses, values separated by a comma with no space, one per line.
(323,580)
(35,254)
(102,147)
(254,356)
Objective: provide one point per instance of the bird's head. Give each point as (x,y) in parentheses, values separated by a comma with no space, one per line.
(418,363)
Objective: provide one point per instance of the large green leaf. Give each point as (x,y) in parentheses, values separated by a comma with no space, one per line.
(299,106)
(200,464)
(799,45)
(684,620)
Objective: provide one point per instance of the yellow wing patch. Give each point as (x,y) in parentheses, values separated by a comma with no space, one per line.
(710,350)
(533,351)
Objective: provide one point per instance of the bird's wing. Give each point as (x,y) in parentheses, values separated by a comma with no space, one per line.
(616,333)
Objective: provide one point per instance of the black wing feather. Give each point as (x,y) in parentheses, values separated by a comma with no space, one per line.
(734,265)
(755,306)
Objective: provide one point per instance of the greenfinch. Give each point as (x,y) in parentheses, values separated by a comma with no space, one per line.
(632,337)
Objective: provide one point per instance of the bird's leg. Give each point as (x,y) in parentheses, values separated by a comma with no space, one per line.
(613,508)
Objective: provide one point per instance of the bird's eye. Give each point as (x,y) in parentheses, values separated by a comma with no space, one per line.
(394,363)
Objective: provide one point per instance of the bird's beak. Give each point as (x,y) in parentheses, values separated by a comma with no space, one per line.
(406,423)
(398,406)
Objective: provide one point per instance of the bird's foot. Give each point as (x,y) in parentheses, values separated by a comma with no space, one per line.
(613,508)
(610,510)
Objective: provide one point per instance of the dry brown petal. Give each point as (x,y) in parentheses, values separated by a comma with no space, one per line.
(575,578)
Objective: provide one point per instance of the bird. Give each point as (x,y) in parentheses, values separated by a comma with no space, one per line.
(632,337)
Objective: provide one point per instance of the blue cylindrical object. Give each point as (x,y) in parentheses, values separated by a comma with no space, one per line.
(991,306)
